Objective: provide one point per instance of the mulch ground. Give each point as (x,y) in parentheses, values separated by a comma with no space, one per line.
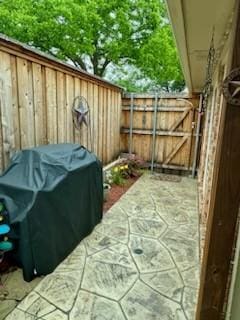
(116,192)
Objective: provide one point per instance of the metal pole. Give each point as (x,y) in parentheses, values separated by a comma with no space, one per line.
(131,125)
(154,131)
(197,137)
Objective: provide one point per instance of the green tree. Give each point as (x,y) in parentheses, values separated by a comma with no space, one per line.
(158,60)
(97,34)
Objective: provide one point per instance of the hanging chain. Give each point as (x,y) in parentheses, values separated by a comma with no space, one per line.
(207,90)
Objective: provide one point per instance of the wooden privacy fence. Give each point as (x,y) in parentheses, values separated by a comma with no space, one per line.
(36,96)
(161,130)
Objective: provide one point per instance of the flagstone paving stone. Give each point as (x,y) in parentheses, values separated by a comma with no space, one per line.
(90,306)
(150,228)
(141,262)
(169,283)
(154,257)
(142,303)
(55,315)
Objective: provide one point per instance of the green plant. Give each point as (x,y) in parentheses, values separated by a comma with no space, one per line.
(130,167)
(100,36)
(119,175)
(135,165)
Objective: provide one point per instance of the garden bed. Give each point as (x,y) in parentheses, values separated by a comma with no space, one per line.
(120,177)
(116,192)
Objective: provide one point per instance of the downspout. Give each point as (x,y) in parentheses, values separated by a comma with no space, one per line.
(197,137)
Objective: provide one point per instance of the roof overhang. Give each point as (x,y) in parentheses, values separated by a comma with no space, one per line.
(193,23)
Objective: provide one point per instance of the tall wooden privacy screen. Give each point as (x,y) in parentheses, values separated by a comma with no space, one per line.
(161,130)
(36,96)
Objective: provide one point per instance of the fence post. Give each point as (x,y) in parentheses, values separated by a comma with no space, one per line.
(154,131)
(131,125)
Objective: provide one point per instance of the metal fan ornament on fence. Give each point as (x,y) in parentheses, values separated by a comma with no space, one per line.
(81,116)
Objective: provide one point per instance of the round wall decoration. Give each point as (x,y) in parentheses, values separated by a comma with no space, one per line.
(231,87)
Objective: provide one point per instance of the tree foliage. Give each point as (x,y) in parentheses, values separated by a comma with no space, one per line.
(96,35)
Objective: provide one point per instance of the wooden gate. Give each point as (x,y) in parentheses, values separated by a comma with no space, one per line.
(161,130)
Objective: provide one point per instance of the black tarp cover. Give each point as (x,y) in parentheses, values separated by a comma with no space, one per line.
(54,196)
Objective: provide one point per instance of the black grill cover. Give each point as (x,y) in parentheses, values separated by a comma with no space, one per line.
(54,195)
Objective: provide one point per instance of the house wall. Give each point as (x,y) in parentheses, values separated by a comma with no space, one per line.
(212,125)
(209,162)
(36,98)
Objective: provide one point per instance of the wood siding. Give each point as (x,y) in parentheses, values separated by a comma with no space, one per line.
(219,187)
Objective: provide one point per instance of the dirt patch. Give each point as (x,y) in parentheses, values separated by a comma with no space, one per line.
(116,192)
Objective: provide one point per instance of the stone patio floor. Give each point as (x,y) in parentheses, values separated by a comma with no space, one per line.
(140,263)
